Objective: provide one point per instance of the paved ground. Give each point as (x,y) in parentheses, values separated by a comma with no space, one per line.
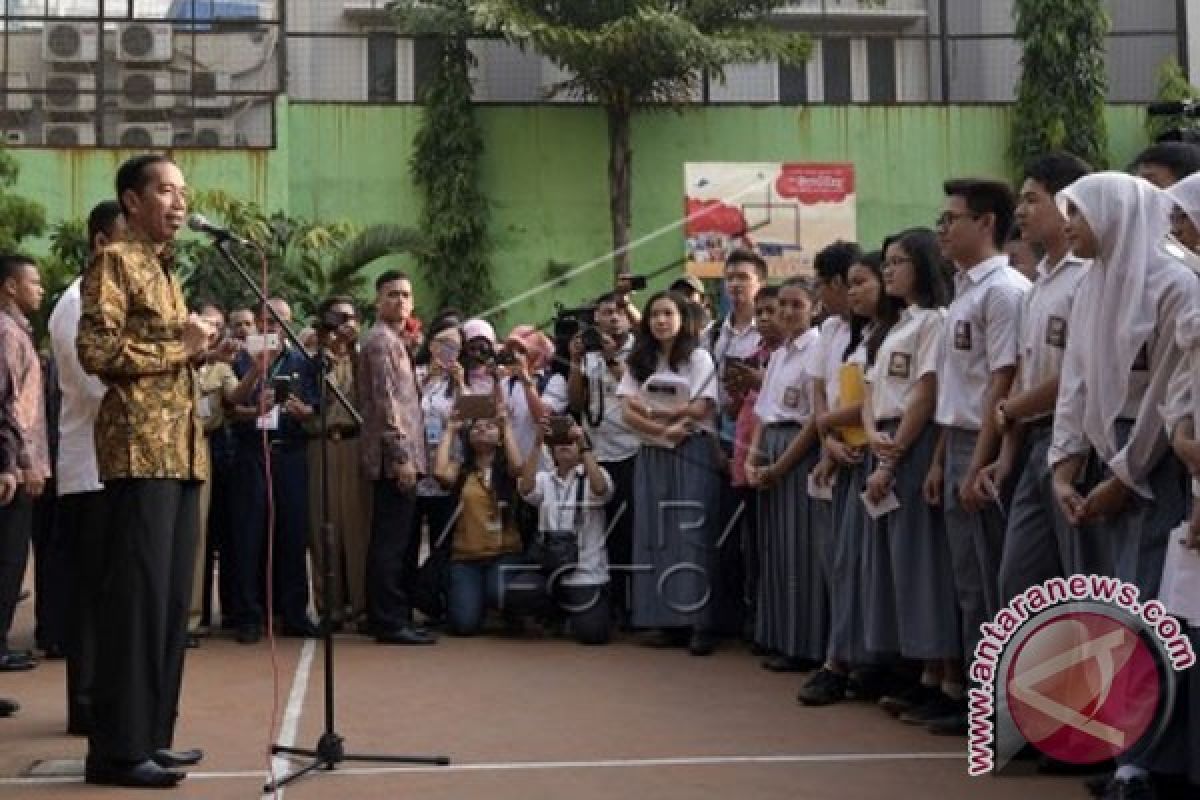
(521,718)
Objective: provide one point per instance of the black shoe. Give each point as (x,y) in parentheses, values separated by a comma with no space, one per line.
(908,699)
(956,724)
(405,635)
(786,664)
(16,661)
(1099,785)
(248,634)
(1138,788)
(868,685)
(937,707)
(8,707)
(304,630)
(702,643)
(54,652)
(824,688)
(146,775)
(177,758)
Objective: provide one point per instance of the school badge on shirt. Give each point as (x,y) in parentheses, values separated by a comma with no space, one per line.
(900,365)
(962,335)
(791,398)
(1056,332)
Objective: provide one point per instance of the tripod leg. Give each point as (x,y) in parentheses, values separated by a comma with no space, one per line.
(438,761)
(286,779)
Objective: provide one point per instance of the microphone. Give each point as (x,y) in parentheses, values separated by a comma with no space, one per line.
(1187,109)
(200,224)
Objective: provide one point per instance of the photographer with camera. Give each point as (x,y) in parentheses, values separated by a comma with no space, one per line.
(570,500)
(598,356)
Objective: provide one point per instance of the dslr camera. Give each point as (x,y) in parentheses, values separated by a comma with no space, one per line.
(572,322)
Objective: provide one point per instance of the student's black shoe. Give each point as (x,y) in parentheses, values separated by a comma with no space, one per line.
(786,664)
(1099,785)
(956,724)
(1138,788)
(405,635)
(824,688)
(248,634)
(702,643)
(757,649)
(8,707)
(868,685)
(177,758)
(938,706)
(908,699)
(16,661)
(146,775)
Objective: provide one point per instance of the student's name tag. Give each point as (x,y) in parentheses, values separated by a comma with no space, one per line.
(887,505)
(268,421)
(791,398)
(962,335)
(1056,332)
(818,492)
(900,365)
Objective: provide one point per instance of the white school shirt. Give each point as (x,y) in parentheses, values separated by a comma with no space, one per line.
(788,390)
(666,388)
(612,439)
(827,361)
(911,350)
(1172,291)
(76,470)
(1044,321)
(436,409)
(555,501)
(979,337)
(730,341)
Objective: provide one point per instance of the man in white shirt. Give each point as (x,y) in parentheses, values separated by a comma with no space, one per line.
(80,493)
(979,358)
(592,396)
(1036,542)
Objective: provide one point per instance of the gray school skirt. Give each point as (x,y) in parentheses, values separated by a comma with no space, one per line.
(793,613)
(844,539)
(920,618)
(675,530)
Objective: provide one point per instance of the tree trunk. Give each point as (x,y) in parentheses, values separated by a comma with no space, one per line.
(620,190)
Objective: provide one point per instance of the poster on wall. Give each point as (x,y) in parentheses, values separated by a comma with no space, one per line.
(785,211)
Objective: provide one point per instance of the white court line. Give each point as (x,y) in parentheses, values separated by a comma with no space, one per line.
(510,766)
(291,719)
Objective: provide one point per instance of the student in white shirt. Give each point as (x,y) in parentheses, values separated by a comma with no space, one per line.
(571,498)
(1037,543)
(1122,353)
(669,396)
(792,609)
(979,357)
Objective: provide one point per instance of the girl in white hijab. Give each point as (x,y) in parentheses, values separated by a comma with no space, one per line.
(1120,356)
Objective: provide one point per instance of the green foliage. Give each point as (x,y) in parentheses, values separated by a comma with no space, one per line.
(19,218)
(1063,86)
(445,162)
(66,260)
(306,261)
(1173,87)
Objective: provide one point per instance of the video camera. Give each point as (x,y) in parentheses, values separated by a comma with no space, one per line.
(572,322)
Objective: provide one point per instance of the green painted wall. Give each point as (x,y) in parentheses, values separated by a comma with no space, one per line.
(545,172)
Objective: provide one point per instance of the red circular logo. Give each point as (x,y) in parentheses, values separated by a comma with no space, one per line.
(1083,688)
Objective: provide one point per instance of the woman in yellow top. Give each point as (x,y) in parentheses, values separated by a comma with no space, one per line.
(486,549)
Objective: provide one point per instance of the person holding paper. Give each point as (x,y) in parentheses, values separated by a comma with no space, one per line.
(792,603)
(668,396)
(898,415)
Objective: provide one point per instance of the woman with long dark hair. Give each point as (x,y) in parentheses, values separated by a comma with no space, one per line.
(669,396)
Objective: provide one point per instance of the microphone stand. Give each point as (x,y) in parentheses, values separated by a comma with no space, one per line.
(330,750)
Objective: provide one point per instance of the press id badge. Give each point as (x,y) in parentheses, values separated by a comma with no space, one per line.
(433,431)
(204,409)
(268,421)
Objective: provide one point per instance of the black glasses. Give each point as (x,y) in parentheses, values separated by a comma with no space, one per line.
(948,218)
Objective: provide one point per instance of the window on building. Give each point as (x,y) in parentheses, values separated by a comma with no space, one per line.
(381,68)
(793,84)
(881,70)
(835,63)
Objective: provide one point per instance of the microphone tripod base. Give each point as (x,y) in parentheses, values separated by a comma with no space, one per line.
(330,752)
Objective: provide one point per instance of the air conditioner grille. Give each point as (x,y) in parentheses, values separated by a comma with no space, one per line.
(62,91)
(62,136)
(139,88)
(207,137)
(204,84)
(137,41)
(64,41)
(136,137)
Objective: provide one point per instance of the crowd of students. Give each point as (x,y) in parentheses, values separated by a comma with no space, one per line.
(852,471)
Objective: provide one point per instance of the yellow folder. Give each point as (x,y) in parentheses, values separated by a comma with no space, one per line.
(852,391)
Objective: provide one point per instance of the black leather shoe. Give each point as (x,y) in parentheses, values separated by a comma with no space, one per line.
(702,643)
(177,758)
(405,635)
(248,634)
(786,664)
(14,661)
(8,707)
(145,775)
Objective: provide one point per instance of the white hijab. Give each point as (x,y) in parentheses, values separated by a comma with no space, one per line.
(1129,217)
(1186,195)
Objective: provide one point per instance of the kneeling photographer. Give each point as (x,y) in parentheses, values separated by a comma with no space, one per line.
(570,500)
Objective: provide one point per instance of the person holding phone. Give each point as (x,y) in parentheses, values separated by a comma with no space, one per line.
(278,394)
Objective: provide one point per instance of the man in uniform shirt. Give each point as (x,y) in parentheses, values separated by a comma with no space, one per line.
(979,357)
(135,333)
(1035,537)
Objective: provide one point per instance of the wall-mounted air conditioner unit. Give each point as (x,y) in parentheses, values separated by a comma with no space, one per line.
(212,133)
(206,86)
(72,42)
(68,134)
(144,134)
(144,42)
(145,90)
(15,100)
(70,91)
(14,136)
